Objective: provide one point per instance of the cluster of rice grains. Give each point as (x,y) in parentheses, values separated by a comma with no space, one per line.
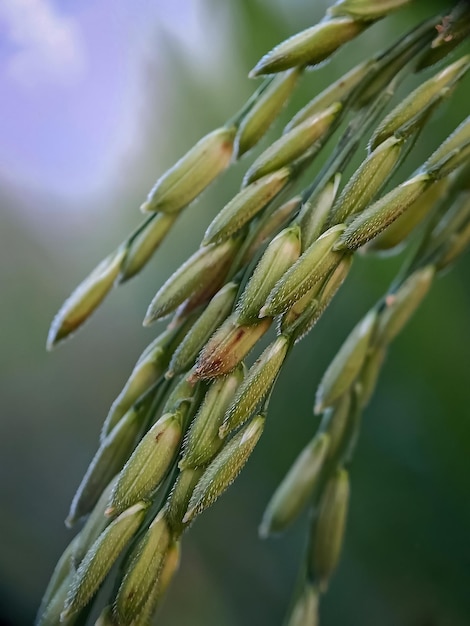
(192,412)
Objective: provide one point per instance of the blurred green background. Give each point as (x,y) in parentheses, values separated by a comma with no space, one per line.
(407,554)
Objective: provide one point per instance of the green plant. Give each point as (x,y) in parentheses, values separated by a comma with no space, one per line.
(191,412)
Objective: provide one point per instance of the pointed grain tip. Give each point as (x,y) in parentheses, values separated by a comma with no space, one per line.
(209,238)
(193,377)
(70,521)
(145,207)
(50,344)
(109,512)
(262,312)
(263,531)
(148,320)
(338,246)
(189,515)
(55,336)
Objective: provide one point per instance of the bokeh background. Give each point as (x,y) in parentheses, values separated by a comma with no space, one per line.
(97,98)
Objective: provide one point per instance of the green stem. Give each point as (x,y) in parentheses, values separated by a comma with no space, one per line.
(237,119)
